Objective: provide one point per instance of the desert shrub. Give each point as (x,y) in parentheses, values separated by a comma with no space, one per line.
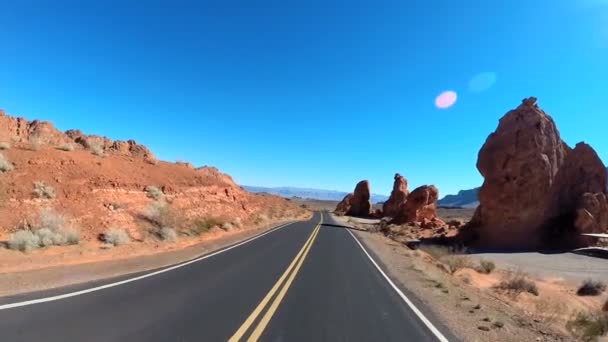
(203,225)
(66,147)
(116,237)
(237,222)
(42,190)
(591,288)
(260,219)
(160,214)
(588,326)
(456,262)
(51,230)
(167,234)
(96,148)
(154,192)
(5,165)
(518,282)
(23,240)
(4,145)
(227,226)
(485,266)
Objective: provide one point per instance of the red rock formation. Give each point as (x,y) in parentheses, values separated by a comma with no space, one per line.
(421,205)
(357,203)
(19,130)
(536,190)
(394,205)
(344,206)
(577,201)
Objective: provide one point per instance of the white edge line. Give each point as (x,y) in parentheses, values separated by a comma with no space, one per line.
(409,303)
(122,282)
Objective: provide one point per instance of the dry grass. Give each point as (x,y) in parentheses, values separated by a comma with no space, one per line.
(456,262)
(5,165)
(35,143)
(96,148)
(591,288)
(588,326)
(154,192)
(203,225)
(485,266)
(116,237)
(42,190)
(66,147)
(5,145)
(51,230)
(518,282)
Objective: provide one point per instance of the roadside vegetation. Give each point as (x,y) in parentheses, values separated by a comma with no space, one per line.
(591,287)
(66,147)
(44,191)
(154,192)
(485,266)
(96,148)
(589,326)
(163,219)
(50,230)
(518,282)
(5,165)
(5,145)
(116,237)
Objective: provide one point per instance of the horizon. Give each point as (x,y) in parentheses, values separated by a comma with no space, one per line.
(314,96)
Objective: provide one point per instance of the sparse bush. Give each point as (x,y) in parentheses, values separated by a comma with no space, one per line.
(4,145)
(159,214)
(456,262)
(116,237)
(66,147)
(260,219)
(167,234)
(42,190)
(518,282)
(50,231)
(591,288)
(227,226)
(154,192)
(201,226)
(96,148)
(485,266)
(237,222)
(5,165)
(23,240)
(588,327)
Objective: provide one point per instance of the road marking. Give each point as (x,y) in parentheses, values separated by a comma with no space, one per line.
(255,335)
(126,281)
(407,301)
(256,312)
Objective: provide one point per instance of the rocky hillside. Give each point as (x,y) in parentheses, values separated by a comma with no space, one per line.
(97,183)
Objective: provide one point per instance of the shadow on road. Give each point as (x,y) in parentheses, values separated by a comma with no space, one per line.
(341,226)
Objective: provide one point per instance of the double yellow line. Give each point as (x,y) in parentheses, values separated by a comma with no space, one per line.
(283,284)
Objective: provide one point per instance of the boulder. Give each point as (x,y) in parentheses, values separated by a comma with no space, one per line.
(344,206)
(421,204)
(394,205)
(360,203)
(537,192)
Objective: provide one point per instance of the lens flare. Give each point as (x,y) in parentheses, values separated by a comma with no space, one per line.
(446,99)
(482,81)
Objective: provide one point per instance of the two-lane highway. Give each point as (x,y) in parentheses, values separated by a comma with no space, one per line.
(306,281)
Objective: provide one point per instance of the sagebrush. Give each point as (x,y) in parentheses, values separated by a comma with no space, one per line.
(5,165)
(116,237)
(66,147)
(50,230)
(588,326)
(154,192)
(42,190)
(591,287)
(518,282)
(485,266)
(4,145)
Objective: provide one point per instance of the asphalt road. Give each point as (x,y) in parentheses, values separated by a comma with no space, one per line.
(304,282)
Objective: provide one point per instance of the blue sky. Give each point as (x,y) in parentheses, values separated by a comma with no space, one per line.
(310,93)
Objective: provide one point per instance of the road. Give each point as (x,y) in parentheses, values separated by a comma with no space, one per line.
(307,281)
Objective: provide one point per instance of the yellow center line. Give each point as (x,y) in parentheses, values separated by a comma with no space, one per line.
(255,335)
(252,317)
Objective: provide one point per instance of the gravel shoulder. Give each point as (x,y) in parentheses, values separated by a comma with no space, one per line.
(468,312)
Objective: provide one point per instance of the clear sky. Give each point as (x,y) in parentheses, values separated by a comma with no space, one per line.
(309,93)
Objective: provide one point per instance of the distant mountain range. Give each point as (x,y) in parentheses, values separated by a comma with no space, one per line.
(318,194)
(464,198)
